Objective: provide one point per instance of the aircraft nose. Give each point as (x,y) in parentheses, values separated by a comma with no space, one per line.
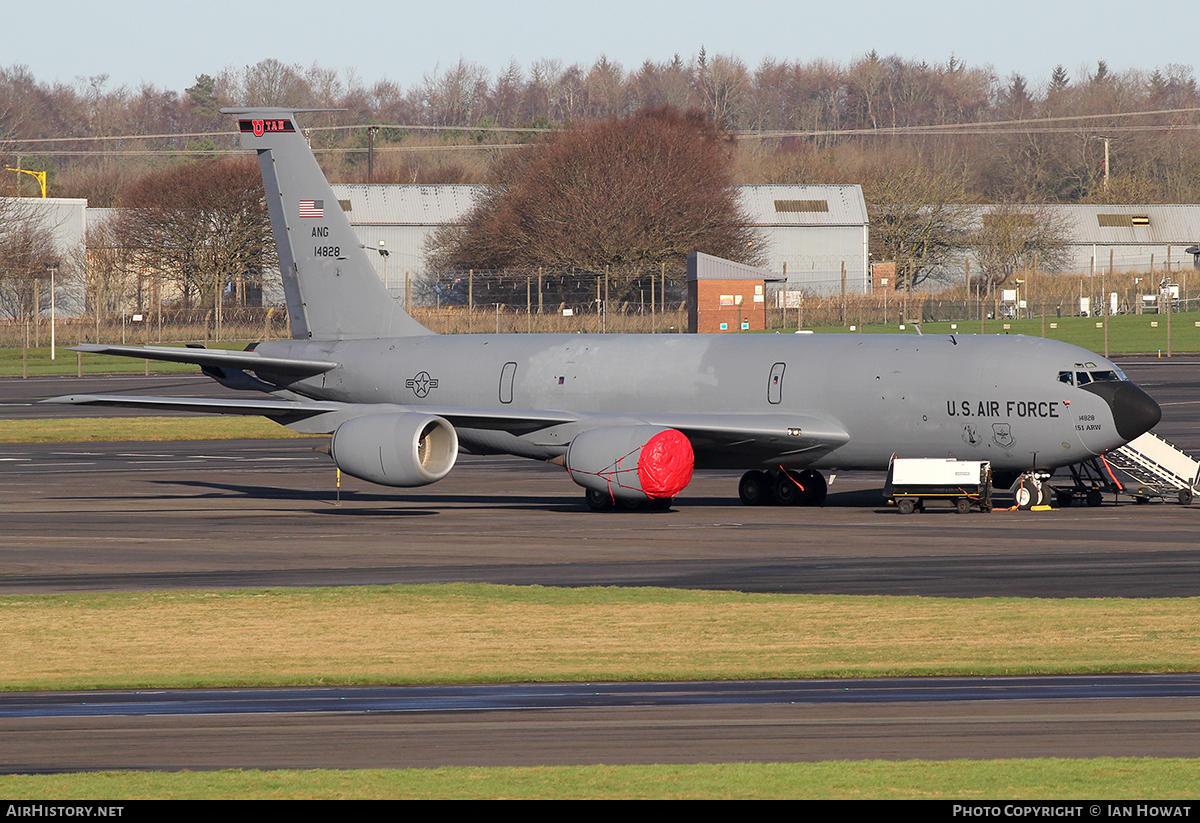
(1134,412)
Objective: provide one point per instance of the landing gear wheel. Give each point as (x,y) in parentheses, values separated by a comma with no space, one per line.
(598,501)
(1030,493)
(962,505)
(815,488)
(787,493)
(755,488)
(1095,499)
(906,505)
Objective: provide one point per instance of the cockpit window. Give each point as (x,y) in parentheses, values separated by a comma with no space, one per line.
(1082,378)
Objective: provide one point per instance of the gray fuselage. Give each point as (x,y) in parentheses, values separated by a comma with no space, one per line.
(969,397)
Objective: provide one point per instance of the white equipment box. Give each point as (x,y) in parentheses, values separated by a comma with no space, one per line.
(965,483)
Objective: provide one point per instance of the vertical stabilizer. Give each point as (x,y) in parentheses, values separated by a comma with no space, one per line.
(333,292)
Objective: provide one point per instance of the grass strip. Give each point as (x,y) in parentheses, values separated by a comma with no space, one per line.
(17,362)
(1127,333)
(476,633)
(967,780)
(97,429)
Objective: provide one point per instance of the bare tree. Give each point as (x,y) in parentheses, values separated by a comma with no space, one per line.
(723,84)
(107,270)
(918,219)
(1013,237)
(633,193)
(202,225)
(269,82)
(455,97)
(27,250)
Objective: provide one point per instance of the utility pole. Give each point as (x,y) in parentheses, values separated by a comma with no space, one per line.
(53,271)
(1106,141)
(371,153)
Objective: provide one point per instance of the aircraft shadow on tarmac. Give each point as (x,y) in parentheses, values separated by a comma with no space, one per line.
(432,502)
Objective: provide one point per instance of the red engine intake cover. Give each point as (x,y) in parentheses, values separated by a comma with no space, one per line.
(665,464)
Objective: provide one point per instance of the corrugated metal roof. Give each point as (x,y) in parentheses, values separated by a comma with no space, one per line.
(407,205)
(701,266)
(768,205)
(1167,224)
(1161,225)
(801,205)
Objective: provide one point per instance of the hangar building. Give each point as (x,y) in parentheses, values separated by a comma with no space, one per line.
(1137,237)
(809,231)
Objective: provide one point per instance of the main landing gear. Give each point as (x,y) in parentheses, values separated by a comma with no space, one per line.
(780,487)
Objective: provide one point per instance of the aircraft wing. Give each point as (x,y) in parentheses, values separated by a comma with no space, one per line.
(725,440)
(719,440)
(322,417)
(220,358)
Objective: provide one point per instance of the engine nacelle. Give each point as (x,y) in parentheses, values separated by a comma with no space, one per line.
(404,449)
(632,462)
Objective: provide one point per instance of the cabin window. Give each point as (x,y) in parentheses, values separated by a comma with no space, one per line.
(1082,378)
(1066,377)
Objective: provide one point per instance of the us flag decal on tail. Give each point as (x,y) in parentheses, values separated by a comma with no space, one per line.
(312,208)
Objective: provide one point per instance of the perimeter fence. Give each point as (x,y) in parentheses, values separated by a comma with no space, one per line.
(629,301)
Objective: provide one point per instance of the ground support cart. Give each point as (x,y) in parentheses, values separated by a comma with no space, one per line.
(965,484)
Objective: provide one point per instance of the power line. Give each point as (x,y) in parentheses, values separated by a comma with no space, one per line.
(232,134)
(212,152)
(985,127)
(1042,125)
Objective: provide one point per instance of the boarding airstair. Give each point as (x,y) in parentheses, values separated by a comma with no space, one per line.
(1157,469)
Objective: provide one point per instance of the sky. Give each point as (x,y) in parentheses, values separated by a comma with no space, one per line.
(168,44)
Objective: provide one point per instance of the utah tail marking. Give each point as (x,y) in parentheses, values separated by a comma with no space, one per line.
(260,127)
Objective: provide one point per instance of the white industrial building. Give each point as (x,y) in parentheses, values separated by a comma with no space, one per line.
(812,232)
(1130,238)
(809,231)
(1134,238)
(398,219)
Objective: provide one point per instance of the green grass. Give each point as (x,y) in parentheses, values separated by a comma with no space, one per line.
(474,633)
(488,633)
(13,363)
(100,429)
(1127,333)
(36,361)
(960,780)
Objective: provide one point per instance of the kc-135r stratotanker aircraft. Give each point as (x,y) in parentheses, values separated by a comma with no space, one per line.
(629,416)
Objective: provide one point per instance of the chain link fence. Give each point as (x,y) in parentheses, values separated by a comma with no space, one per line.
(632,301)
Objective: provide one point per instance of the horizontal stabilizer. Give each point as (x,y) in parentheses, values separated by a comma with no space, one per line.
(208,405)
(221,358)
